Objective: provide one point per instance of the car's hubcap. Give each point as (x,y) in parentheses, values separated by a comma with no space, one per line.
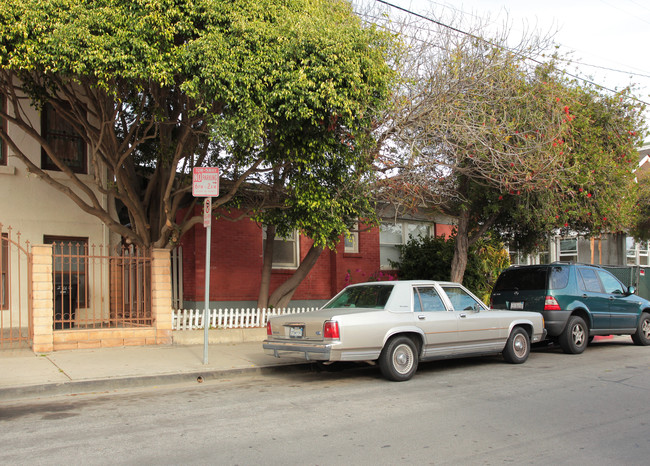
(519,345)
(578,335)
(645,328)
(403,359)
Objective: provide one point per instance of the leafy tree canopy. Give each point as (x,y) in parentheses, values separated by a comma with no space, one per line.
(156,87)
(495,134)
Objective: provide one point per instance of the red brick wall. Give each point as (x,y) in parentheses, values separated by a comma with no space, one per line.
(236,263)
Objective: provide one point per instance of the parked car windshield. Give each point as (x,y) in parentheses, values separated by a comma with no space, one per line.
(368,296)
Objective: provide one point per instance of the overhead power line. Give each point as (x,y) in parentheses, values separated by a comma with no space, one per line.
(534,60)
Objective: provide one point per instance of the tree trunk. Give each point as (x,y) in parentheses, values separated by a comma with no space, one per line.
(283,294)
(267,267)
(461,248)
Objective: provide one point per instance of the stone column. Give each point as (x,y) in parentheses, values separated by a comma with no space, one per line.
(161,295)
(42,298)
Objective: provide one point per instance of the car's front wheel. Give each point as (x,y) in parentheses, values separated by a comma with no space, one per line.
(517,347)
(575,337)
(398,360)
(642,335)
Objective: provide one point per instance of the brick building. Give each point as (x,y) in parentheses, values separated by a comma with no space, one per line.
(236,252)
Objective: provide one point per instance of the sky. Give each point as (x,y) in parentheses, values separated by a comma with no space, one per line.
(612,36)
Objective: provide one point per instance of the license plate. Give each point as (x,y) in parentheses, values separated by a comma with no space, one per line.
(517,305)
(295,332)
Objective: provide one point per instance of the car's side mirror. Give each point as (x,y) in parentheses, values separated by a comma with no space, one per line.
(631,290)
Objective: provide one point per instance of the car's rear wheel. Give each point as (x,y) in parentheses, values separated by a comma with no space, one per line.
(575,336)
(517,347)
(398,360)
(642,335)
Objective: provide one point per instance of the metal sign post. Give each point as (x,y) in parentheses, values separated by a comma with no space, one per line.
(205,183)
(207,208)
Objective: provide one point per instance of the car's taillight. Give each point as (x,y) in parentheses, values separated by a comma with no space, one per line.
(550,304)
(331,330)
(268,328)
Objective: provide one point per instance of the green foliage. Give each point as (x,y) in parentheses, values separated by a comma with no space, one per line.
(279,94)
(429,258)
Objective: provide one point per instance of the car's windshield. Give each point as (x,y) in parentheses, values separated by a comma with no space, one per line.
(369,296)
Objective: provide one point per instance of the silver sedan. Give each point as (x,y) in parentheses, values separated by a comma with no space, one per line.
(400,323)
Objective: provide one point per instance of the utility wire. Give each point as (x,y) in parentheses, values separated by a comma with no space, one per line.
(534,60)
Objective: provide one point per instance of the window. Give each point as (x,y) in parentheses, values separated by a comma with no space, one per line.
(368,296)
(69,266)
(515,279)
(4,271)
(637,253)
(352,240)
(64,140)
(590,281)
(518,257)
(3,127)
(285,250)
(392,235)
(461,300)
(610,283)
(643,253)
(426,299)
(569,249)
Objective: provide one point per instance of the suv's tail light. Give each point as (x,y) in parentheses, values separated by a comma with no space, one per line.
(269,332)
(550,304)
(331,330)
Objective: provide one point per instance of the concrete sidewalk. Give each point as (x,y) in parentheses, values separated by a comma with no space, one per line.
(24,374)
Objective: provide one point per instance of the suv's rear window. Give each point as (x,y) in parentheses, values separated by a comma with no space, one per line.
(533,279)
(530,278)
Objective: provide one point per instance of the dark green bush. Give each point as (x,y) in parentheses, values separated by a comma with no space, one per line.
(429,258)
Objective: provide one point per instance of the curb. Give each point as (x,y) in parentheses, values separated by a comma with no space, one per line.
(82,387)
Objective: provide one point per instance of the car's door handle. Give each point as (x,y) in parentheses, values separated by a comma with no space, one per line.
(421,317)
(462,316)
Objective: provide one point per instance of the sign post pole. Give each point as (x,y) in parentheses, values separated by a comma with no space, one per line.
(205,183)
(207,213)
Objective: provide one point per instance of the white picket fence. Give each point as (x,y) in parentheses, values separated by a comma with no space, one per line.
(192,319)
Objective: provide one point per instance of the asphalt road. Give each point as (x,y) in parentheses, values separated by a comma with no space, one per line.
(554,409)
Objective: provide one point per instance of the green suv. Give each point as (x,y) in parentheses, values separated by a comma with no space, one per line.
(577,301)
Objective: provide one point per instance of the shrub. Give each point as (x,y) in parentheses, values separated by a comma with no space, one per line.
(429,258)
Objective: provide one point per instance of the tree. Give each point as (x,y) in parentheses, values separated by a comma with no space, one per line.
(431,257)
(158,87)
(505,145)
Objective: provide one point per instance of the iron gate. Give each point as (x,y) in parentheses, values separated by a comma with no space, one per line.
(15,291)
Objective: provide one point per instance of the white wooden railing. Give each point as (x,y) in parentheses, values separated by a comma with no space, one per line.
(192,319)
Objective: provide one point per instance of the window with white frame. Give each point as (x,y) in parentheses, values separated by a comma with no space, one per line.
(630,251)
(518,257)
(636,252)
(392,235)
(352,240)
(286,250)
(568,250)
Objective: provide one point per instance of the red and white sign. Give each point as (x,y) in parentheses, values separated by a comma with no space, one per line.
(205,182)
(207,212)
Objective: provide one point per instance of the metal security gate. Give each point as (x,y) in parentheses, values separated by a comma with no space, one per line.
(95,287)
(16,329)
